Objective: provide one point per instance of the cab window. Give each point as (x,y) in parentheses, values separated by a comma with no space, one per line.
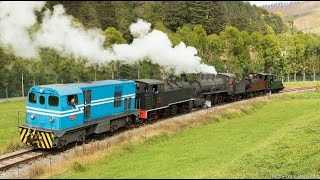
(42,100)
(146,87)
(53,101)
(117,99)
(32,98)
(72,96)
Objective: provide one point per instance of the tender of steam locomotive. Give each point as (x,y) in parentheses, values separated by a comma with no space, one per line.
(257,84)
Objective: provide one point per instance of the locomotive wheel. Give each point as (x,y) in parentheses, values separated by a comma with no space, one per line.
(156,115)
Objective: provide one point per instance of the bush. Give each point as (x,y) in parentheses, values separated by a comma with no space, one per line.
(78,167)
(12,146)
(318,87)
(37,169)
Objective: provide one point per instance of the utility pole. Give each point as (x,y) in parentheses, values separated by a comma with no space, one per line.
(112,71)
(22,87)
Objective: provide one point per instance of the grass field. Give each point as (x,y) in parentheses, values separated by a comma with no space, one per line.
(9,135)
(280,138)
(300,84)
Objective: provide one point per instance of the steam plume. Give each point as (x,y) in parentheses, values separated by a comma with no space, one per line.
(59,32)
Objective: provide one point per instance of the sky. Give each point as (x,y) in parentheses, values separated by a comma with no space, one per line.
(261,3)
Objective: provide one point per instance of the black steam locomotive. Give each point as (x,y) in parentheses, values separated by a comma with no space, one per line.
(157,98)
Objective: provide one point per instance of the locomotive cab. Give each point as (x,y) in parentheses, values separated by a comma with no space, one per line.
(274,83)
(48,107)
(149,93)
(157,98)
(48,111)
(230,80)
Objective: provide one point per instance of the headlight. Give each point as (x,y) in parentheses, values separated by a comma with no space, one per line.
(32,116)
(51,119)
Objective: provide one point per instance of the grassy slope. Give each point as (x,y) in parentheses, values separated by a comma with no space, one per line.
(9,135)
(309,22)
(279,138)
(300,84)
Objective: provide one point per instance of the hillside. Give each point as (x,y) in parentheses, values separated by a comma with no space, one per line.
(306,15)
(212,15)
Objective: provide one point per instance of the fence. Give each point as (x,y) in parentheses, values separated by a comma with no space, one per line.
(15,93)
(309,77)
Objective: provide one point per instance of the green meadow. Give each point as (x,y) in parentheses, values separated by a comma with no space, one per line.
(278,139)
(9,135)
(300,84)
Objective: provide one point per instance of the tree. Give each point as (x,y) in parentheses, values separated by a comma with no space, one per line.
(176,15)
(237,51)
(214,52)
(200,39)
(209,14)
(269,50)
(151,11)
(291,24)
(315,58)
(113,37)
(285,41)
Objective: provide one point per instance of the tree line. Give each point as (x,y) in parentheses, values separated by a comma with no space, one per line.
(233,47)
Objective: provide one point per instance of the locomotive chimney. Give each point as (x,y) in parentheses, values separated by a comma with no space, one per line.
(199,76)
(151,75)
(165,79)
(173,79)
(151,71)
(183,77)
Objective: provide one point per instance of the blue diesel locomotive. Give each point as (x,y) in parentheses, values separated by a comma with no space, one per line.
(62,113)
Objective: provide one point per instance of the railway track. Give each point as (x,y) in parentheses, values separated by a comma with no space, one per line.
(19,157)
(27,155)
(298,89)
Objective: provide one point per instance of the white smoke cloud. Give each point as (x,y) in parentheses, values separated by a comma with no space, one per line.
(157,46)
(15,19)
(57,31)
(140,29)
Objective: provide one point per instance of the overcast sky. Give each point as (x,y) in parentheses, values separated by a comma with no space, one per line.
(260,3)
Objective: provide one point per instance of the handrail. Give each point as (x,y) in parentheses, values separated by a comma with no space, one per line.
(21,111)
(38,119)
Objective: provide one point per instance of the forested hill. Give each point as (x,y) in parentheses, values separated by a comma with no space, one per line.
(231,36)
(214,16)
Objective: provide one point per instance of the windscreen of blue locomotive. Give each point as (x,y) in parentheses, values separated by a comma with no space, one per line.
(47,105)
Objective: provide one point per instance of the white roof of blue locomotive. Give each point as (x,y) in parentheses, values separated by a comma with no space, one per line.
(75,88)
